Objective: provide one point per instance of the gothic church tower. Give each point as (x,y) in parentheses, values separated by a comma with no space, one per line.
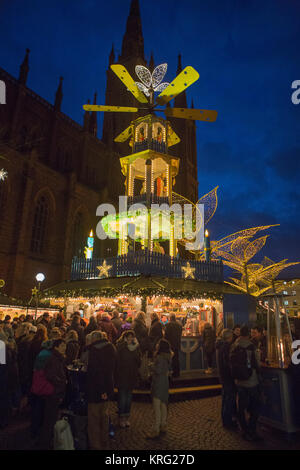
(132,54)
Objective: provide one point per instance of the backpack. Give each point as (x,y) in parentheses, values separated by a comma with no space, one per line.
(242,362)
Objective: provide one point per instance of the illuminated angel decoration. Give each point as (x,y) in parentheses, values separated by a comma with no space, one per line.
(3,174)
(151,81)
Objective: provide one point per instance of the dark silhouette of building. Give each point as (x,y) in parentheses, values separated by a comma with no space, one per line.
(59,171)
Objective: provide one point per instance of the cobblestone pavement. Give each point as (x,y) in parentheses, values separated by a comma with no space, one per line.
(192,425)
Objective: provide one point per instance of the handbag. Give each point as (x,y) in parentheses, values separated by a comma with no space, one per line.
(40,385)
(63,437)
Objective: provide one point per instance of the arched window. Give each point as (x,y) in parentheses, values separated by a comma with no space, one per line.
(41,215)
(78,238)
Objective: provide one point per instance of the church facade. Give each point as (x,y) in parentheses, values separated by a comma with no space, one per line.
(59,171)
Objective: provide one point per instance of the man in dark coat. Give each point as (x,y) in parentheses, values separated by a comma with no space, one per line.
(156,331)
(228,386)
(100,387)
(173,332)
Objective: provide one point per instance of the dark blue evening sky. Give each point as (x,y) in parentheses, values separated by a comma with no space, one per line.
(247,54)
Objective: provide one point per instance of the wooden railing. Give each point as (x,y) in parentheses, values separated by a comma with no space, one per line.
(148,263)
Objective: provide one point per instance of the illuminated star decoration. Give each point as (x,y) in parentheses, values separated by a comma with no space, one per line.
(103,270)
(34,291)
(3,174)
(151,80)
(188,271)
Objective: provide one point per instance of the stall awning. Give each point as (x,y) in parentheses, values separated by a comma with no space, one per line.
(140,285)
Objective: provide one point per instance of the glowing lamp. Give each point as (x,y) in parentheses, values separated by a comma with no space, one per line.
(40,277)
(207,246)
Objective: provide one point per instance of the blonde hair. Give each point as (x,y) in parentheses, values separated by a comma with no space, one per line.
(88,339)
(97,335)
(55,333)
(72,335)
(23,329)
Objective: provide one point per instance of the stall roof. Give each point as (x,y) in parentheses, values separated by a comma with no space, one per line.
(10,301)
(140,285)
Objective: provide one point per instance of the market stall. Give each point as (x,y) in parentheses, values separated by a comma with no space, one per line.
(281,375)
(193,302)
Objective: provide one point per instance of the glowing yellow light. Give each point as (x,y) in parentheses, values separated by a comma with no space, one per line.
(206,233)
(103,270)
(91,234)
(188,271)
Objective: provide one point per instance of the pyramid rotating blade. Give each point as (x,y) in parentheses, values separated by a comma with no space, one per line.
(128,81)
(124,135)
(173,138)
(195,114)
(112,109)
(185,79)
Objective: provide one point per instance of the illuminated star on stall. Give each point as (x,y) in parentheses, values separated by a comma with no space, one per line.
(188,271)
(103,270)
(34,291)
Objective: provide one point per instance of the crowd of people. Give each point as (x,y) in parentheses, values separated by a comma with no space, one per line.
(118,353)
(115,352)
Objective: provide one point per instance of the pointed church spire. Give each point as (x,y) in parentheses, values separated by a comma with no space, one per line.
(58,95)
(151,62)
(112,55)
(86,118)
(93,119)
(133,41)
(179,66)
(180,101)
(24,69)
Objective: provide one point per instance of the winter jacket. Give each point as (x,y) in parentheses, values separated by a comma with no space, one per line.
(117,322)
(253,379)
(34,350)
(173,331)
(100,370)
(80,331)
(55,372)
(209,339)
(127,367)
(156,332)
(223,363)
(141,333)
(72,351)
(106,325)
(92,326)
(23,345)
(160,377)
(12,369)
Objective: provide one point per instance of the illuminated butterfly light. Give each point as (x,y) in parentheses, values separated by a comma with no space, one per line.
(151,81)
(3,174)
